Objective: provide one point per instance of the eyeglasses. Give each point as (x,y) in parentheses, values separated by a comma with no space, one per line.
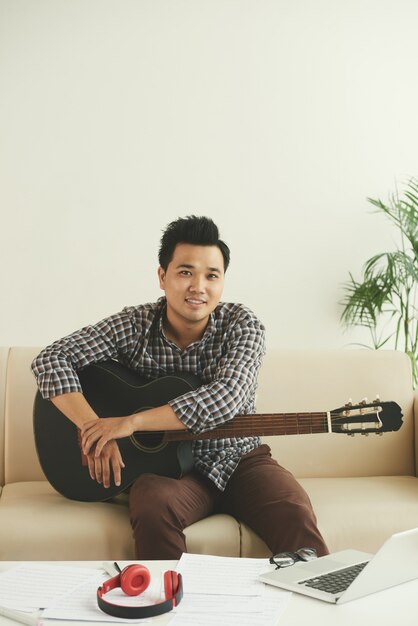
(286,559)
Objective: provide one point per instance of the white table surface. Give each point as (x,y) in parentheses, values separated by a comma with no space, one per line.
(393,607)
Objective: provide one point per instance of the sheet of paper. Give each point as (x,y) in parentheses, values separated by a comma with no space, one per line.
(222,575)
(33,586)
(197,603)
(209,619)
(215,586)
(275,602)
(265,610)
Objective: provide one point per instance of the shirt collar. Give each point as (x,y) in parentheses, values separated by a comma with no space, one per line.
(209,330)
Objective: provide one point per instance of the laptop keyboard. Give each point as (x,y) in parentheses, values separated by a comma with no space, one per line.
(335,582)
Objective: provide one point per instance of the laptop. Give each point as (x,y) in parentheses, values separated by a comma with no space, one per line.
(350,574)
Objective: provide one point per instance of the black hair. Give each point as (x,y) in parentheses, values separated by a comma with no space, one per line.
(199,231)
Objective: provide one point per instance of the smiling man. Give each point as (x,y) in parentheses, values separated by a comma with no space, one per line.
(187,330)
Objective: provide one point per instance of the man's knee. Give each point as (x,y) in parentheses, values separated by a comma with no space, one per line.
(155,522)
(296,527)
(301,513)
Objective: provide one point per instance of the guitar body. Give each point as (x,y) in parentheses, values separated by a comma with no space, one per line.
(112,390)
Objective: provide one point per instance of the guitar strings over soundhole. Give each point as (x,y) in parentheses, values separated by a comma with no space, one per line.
(148,442)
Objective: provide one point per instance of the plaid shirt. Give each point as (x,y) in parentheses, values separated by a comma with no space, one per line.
(227,360)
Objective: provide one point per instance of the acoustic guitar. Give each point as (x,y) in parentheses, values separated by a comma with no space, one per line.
(112,389)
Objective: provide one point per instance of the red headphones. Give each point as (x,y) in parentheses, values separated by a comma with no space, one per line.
(133,580)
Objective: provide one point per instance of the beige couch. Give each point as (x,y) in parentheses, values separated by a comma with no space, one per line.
(363,488)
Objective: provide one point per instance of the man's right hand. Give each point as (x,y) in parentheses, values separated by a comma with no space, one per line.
(109,461)
(77,409)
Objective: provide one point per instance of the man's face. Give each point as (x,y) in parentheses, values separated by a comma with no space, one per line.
(193,283)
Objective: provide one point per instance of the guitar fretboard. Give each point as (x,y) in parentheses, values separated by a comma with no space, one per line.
(262,424)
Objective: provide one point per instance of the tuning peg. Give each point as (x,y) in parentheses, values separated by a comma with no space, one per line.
(349,403)
(364,401)
(377,399)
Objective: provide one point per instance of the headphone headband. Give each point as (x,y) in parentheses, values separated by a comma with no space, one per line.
(173,586)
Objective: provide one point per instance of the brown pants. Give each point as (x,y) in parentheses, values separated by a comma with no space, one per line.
(260,493)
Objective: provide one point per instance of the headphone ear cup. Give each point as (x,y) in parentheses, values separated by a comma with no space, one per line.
(171,583)
(134,579)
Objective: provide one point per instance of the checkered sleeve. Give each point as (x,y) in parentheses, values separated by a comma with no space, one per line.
(234,382)
(55,368)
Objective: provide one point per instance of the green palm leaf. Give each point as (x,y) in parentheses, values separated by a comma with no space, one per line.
(389,285)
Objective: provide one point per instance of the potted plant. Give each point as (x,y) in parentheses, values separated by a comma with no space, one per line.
(388,289)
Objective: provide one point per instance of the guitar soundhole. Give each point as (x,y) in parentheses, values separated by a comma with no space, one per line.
(151,442)
(148,442)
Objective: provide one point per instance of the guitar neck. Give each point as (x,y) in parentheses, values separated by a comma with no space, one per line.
(262,424)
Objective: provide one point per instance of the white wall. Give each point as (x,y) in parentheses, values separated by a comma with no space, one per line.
(275,117)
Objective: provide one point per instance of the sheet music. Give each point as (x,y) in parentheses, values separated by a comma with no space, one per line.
(201,603)
(222,575)
(32,586)
(229,586)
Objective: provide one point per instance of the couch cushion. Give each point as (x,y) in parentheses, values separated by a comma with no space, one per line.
(217,534)
(358,513)
(361,513)
(38,523)
(307,381)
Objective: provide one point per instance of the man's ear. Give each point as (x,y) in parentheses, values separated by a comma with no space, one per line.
(161,277)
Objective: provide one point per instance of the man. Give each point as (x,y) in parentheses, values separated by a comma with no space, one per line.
(188,330)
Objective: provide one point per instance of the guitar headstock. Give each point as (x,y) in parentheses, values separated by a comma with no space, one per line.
(374,417)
